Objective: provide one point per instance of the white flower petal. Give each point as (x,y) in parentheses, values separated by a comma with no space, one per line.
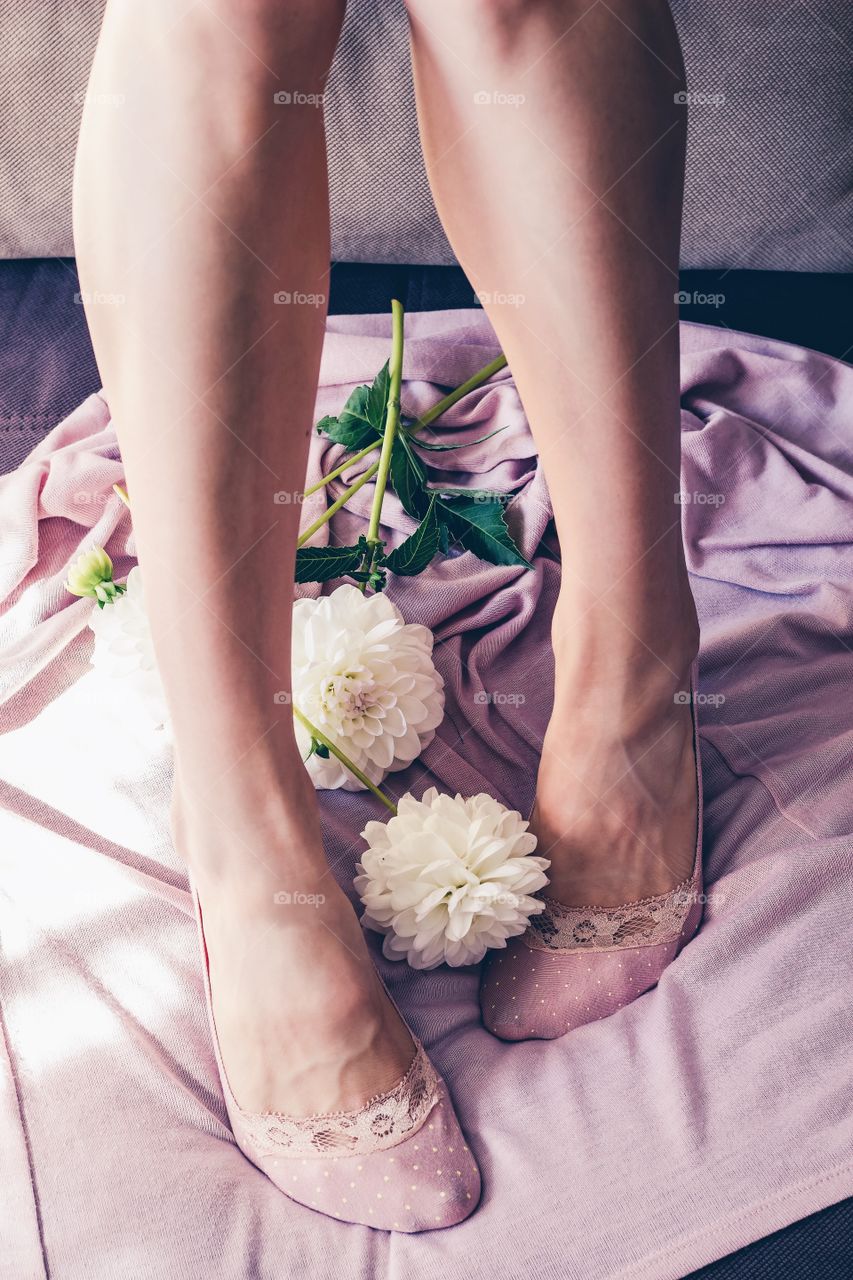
(365,676)
(448,877)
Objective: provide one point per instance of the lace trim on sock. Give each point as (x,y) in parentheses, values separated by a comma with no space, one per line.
(636,924)
(382,1122)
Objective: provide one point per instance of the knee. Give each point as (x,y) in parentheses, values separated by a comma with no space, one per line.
(306,25)
(491,16)
(495,28)
(500,22)
(259,38)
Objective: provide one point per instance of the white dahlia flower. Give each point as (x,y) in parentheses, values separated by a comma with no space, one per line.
(445,879)
(124,649)
(365,678)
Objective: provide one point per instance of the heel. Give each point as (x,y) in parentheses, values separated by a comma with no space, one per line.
(575,965)
(399,1163)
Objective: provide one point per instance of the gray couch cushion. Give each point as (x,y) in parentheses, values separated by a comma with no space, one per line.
(771,133)
(769,172)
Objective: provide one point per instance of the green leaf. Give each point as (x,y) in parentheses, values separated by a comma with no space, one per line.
(461,444)
(362,419)
(352,429)
(408,478)
(319,564)
(413,555)
(377,399)
(478,525)
(327,426)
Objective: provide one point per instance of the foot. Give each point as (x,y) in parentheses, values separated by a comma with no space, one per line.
(303,1022)
(616,804)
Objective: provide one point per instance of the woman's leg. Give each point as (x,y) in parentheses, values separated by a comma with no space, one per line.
(555,152)
(199,198)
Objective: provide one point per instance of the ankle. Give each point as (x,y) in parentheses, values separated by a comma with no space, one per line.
(250,846)
(621,693)
(604,662)
(277,893)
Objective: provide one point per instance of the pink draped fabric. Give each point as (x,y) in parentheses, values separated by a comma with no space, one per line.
(714,1110)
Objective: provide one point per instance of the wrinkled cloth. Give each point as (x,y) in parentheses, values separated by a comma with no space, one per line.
(712,1111)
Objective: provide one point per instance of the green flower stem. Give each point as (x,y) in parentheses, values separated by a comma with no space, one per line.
(347,763)
(441,406)
(476,380)
(339,471)
(337,504)
(392,420)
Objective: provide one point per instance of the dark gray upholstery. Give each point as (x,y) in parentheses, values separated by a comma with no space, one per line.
(769,166)
(770,173)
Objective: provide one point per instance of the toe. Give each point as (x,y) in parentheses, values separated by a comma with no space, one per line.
(527,994)
(428,1181)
